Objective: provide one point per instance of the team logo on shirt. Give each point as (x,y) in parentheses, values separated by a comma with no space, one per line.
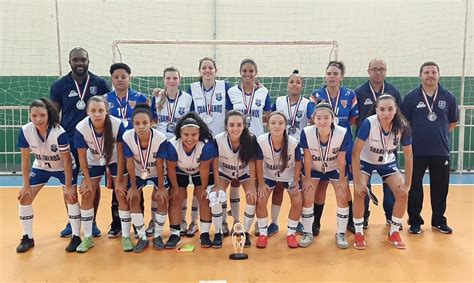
(54,148)
(218,96)
(181,110)
(93,90)
(110,104)
(258,102)
(421,104)
(72,93)
(344,103)
(368,101)
(441,104)
(299,114)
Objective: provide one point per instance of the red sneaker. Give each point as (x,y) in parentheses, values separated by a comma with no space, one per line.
(359,241)
(396,241)
(262,242)
(291,241)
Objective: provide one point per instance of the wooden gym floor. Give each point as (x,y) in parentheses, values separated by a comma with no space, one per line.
(429,257)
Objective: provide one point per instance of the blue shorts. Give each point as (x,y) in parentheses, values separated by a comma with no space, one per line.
(141,183)
(331,175)
(384,170)
(99,171)
(183,180)
(242,178)
(272,184)
(41,177)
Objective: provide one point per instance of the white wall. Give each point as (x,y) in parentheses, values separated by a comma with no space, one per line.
(405,33)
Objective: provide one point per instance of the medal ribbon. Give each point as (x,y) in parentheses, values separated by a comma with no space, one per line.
(122,109)
(335,108)
(208,106)
(324,157)
(172,111)
(144,158)
(100,148)
(248,107)
(292,115)
(373,91)
(82,95)
(430,107)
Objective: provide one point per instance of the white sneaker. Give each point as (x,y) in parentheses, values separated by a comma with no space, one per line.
(307,240)
(341,241)
(192,229)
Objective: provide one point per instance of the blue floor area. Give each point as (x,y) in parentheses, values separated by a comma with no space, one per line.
(466,179)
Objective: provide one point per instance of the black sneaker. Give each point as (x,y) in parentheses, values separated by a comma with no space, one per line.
(445,229)
(25,244)
(141,245)
(173,241)
(415,229)
(217,242)
(73,244)
(115,230)
(205,240)
(158,243)
(248,243)
(316,229)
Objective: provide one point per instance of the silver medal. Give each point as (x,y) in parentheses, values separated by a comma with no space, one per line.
(432,116)
(102,161)
(207,119)
(248,119)
(170,127)
(125,123)
(144,175)
(292,130)
(81,105)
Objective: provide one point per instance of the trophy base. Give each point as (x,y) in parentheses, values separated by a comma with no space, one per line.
(238,256)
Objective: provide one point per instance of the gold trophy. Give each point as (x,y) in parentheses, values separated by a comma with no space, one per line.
(238,242)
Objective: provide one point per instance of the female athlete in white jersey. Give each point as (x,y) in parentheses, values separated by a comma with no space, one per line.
(47,140)
(378,138)
(98,139)
(145,150)
(325,145)
(236,150)
(278,163)
(190,155)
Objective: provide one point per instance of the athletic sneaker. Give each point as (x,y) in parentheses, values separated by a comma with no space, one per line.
(316,229)
(66,232)
(158,243)
(141,245)
(272,229)
(217,242)
(73,244)
(86,244)
(127,245)
(183,228)
(192,229)
(445,229)
(291,241)
(205,240)
(225,229)
(115,230)
(307,240)
(95,230)
(415,229)
(359,241)
(396,241)
(25,244)
(173,241)
(262,241)
(248,243)
(151,228)
(341,241)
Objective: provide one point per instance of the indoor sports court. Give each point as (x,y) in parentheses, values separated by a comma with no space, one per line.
(151,35)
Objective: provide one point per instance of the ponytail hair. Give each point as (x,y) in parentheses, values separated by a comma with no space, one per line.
(399,122)
(164,93)
(284,149)
(296,73)
(53,115)
(248,141)
(108,136)
(193,119)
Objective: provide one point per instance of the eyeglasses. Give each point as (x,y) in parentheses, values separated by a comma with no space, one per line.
(375,70)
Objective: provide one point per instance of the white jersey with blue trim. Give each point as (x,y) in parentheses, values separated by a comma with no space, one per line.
(315,147)
(187,163)
(157,150)
(47,152)
(229,161)
(301,119)
(257,107)
(183,106)
(84,128)
(272,160)
(373,150)
(215,99)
